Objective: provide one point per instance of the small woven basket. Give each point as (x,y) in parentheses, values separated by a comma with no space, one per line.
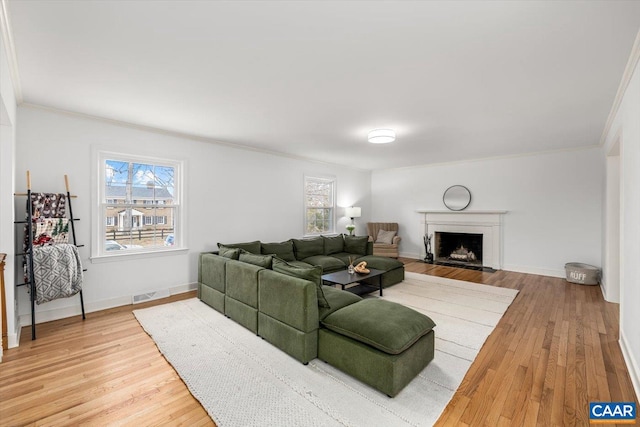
(583,274)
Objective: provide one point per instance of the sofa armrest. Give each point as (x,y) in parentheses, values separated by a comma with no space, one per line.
(288,299)
(211,271)
(396,240)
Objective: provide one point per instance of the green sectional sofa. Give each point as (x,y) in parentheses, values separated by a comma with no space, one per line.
(275,290)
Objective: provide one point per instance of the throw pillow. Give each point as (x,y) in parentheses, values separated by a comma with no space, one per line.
(282,250)
(253,247)
(264,261)
(385,237)
(308,247)
(333,245)
(356,244)
(312,274)
(233,253)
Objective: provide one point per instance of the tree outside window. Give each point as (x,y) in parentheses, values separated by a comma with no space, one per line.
(319,205)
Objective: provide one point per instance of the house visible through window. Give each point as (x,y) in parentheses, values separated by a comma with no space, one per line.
(140,204)
(319,205)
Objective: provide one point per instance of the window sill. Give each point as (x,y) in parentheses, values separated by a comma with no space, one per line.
(132,255)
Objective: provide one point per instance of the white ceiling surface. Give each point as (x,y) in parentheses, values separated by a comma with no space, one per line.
(457,80)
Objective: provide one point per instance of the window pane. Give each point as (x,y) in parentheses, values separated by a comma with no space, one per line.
(133,230)
(319,205)
(139,205)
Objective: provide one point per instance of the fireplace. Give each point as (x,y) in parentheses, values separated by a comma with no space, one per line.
(483,227)
(458,248)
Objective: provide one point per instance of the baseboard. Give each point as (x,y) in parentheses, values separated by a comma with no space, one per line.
(64,312)
(632,365)
(535,270)
(13,340)
(410,255)
(181,289)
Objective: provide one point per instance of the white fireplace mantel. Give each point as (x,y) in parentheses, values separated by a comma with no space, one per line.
(486,222)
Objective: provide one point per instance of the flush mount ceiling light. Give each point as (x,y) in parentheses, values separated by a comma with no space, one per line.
(382,136)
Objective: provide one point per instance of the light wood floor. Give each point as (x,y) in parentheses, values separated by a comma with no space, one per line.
(553,352)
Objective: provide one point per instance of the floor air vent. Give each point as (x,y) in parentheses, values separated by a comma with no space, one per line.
(149,296)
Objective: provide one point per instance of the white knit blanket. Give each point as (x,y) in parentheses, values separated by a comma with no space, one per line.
(57,270)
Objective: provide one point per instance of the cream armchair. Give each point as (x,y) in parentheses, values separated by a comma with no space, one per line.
(384,236)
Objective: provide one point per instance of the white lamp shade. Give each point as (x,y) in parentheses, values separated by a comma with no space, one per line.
(353,212)
(382,136)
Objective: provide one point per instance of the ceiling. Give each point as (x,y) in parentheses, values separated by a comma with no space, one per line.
(456,80)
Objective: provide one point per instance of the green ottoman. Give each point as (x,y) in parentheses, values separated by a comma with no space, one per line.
(381,343)
(394,269)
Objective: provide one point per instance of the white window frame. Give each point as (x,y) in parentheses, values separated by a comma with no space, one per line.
(99,204)
(110,221)
(324,179)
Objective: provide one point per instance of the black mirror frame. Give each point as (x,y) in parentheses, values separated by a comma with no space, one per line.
(444,196)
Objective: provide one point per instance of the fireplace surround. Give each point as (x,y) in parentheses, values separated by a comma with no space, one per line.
(488,224)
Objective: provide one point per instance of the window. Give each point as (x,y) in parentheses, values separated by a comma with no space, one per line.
(319,199)
(139,205)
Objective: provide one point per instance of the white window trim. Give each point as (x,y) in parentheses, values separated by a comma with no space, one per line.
(98,221)
(328,178)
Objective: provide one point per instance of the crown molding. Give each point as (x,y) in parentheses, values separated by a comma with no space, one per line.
(188,136)
(12,60)
(489,158)
(632,63)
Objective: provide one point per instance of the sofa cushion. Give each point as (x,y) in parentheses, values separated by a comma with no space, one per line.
(231,253)
(307,248)
(253,247)
(329,264)
(337,299)
(300,264)
(283,250)
(380,262)
(333,245)
(312,274)
(356,244)
(263,261)
(345,256)
(211,271)
(385,325)
(385,236)
(242,282)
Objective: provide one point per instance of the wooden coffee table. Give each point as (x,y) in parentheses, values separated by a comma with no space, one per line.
(344,278)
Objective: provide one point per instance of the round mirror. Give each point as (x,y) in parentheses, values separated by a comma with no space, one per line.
(457,198)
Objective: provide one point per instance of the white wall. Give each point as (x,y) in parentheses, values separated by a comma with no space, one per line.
(231,195)
(626,129)
(553,201)
(7,148)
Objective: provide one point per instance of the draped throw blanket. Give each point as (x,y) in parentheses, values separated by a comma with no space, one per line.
(47,205)
(49,223)
(57,271)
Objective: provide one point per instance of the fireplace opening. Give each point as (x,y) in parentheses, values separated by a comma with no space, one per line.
(458,248)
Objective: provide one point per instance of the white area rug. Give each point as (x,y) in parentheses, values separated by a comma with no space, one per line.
(242,380)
